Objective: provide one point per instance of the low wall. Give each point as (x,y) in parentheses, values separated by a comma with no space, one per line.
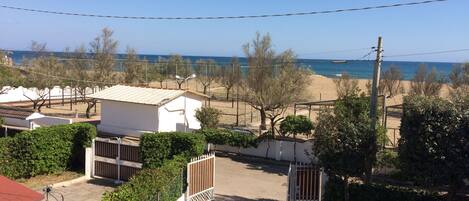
(20,94)
(279,150)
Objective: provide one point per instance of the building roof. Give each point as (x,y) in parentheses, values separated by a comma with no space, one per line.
(16,112)
(139,95)
(11,190)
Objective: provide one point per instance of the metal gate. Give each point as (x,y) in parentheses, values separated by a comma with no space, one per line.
(115,159)
(201,178)
(304,182)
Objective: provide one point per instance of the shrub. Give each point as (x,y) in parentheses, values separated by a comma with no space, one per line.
(227,137)
(164,182)
(296,125)
(208,117)
(155,148)
(44,150)
(375,192)
(434,140)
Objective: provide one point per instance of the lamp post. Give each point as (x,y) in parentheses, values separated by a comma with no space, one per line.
(185,80)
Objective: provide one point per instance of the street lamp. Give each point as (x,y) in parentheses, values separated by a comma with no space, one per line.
(185,95)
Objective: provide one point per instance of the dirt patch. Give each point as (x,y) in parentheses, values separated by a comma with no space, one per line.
(37,183)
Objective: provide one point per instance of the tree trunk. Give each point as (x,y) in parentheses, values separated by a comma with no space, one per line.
(346,189)
(179,85)
(205,89)
(272,127)
(227,93)
(91,104)
(161,84)
(263,119)
(63,96)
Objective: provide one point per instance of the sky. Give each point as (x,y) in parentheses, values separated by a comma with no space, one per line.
(412,29)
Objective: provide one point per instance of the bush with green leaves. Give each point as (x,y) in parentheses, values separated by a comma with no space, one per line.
(375,192)
(228,137)
(434,143)
(345,144)
(163,183)
(296,125)
(156,148)
(45,150)
(208,117)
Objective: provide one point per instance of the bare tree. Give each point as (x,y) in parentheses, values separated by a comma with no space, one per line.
(391,82)
(273,82)
(133,68)
(346,86)
(207,72)
(230,76)
(158,71)
(83,76)
(42,75)
(426,83)
(103,50)
(459,85)
(181,67)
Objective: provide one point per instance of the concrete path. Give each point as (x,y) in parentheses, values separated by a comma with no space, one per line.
(244,178)
(91,190)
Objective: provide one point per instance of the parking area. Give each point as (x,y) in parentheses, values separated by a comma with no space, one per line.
(91,190)
(247,178)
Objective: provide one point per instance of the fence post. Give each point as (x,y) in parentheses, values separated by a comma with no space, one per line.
(118,161)
(93,151)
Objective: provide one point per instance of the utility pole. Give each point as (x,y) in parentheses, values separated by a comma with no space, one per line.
(375,83)
(374,103)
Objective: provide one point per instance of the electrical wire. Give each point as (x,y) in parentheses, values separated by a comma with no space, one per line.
(429,53)
(223,17)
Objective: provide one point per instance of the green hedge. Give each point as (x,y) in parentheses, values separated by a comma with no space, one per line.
(375,192)
(156,148)
(227,137)
(44,150)
(165,182)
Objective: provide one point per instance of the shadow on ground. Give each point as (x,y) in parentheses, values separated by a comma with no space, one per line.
(239,198)
(256,163)
(102,182)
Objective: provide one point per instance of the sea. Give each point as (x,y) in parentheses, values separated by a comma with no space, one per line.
(360,69)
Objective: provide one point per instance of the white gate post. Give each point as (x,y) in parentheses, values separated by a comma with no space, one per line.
(93,152)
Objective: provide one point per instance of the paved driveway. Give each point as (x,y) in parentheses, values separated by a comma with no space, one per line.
(91,190)
(247,178)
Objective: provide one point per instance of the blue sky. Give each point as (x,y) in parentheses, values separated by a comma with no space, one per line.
(423,28)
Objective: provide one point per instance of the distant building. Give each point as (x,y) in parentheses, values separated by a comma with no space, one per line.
(132,111)
(20,119)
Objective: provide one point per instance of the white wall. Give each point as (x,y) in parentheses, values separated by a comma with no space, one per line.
(18,94)
(51,121)
(128,118)
(172,115)
(279,150)
(17,122)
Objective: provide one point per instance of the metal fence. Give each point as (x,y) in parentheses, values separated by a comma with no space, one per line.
(201,178)
(304,182)
(115,159)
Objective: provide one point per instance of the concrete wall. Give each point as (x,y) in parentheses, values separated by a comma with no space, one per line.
(17,122)
(279,150)
(51,121)
(128,118)
(172,115)
(19,94)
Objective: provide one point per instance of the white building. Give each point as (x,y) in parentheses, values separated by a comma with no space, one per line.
(19,119)
(132,111)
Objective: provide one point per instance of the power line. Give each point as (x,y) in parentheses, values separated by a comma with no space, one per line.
(222,17)
(428,53)
(335,51)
